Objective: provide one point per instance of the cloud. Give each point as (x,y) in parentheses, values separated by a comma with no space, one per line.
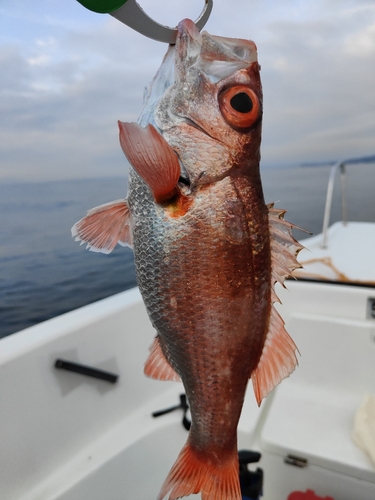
(319,99)
(68,75)
(362,43)
(59,109)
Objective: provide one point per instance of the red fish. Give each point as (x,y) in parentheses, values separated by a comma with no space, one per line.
(208,250)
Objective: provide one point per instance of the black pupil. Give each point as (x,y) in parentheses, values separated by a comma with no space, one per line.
(241,102)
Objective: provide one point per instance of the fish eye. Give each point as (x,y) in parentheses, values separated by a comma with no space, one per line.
(241,102)
(239,106)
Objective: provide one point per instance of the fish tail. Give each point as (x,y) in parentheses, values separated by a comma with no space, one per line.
(192,474)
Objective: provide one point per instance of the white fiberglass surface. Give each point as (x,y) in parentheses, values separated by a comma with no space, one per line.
(347,257)
(136,473)
(64,433)
(312,414)
(133,460)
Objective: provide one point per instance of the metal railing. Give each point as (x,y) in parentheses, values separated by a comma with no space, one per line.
(340,165)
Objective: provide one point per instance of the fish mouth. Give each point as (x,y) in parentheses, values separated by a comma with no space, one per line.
(217,57)
(188,27)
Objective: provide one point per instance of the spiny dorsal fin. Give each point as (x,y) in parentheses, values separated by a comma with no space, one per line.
(157,366)
(278,358)
(284,247)
(104,227)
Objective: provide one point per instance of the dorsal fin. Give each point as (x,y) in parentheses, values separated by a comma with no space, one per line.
(278,358)
(152,158)
(157,366)
(105,226)
(284,247)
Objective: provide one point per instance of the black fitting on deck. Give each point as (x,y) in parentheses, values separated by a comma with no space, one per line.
(184,406)
(251,482)
(89,371)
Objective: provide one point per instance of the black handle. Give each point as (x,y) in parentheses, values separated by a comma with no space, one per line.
(89,371)
(184,406)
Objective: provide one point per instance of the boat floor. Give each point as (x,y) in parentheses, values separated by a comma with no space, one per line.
(66,437)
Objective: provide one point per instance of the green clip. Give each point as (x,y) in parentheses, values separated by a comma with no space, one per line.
(102,6)
(132,14)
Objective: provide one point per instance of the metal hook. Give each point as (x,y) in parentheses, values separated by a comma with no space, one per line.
(131,14)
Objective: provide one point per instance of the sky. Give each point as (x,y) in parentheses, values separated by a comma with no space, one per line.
(67,75)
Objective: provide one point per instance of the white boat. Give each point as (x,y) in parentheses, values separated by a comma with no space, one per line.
(342,252)
(69,436)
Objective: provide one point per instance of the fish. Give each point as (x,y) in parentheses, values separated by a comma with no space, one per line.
(208,250)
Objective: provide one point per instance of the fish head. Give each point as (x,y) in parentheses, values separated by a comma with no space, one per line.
(211,115)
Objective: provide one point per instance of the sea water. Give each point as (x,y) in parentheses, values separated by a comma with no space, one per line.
(44,272)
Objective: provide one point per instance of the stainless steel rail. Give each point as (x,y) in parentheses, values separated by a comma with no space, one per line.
(340,165)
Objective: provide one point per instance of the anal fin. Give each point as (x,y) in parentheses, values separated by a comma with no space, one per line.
(278,359)
(157,366)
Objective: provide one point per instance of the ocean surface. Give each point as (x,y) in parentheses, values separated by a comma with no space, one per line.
(44,272)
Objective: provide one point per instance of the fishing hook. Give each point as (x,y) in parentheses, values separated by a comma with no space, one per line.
(131,13)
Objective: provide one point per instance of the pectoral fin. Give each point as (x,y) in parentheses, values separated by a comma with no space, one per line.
(152,158)
(104,227)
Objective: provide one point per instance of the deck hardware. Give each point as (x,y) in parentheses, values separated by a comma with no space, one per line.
(296,461)
(184,406)
(371,308)
(89,371)
(340,165)
(251,482)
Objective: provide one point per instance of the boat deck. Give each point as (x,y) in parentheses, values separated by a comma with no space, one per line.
(68,437)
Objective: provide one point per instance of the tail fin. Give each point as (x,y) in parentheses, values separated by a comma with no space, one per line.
(193,474)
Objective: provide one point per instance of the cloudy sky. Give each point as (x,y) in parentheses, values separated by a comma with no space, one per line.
(67,75)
